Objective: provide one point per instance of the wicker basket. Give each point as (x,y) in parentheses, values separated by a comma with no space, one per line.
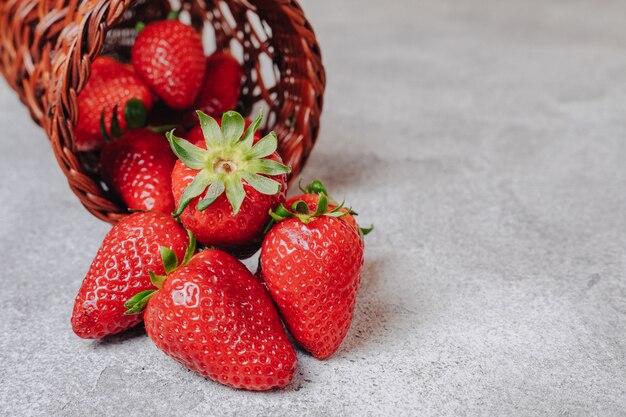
(47,46)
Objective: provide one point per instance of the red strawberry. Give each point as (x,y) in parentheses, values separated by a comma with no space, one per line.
(224,194)
(215,318)
(121,269)
(138,168)
(169,56)
(311,264)
(111,85)
(222,85)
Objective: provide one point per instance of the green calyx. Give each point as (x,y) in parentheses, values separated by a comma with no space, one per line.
(138,302)
(173,15)
(300,210)
(231,158)
(135,116)
(315,187)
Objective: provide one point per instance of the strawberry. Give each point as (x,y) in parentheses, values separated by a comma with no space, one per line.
(122,268)
(111,85)
(225,184)
(311,264)
(222,85)
(215,318)
(138,168)
(169,56)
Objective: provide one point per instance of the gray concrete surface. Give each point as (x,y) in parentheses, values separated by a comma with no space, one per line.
(487,142)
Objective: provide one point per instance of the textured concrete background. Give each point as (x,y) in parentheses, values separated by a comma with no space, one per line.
(487,142)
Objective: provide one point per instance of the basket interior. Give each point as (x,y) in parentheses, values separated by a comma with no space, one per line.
(226,26)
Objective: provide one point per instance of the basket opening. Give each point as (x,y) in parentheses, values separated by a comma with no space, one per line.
(283,75)
(241,32)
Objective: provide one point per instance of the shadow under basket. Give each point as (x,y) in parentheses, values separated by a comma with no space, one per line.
(47,47)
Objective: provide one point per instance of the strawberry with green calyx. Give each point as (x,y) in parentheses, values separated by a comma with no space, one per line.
(137,164)
(311,195)
(111,86)
(137,303)
(215,318)
(311,263)
(226,184)
(121,268)
(169,56)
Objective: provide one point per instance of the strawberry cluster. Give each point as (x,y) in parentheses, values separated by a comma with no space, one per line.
(201,202)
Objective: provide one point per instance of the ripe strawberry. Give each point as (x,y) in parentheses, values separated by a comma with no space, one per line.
(222,85)
(111,85)
(121,269)
(226,184)
(311,264)
(138,168)
(215,318)
(169,56)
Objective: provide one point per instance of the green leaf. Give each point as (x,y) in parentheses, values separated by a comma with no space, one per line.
(315,187)
(337,214)
(191,248)
(137,303)
(282,211)
(116,129)
(210,130)
(140,26)
(215,190)
(300,207)
(262,184)
(268,167)
(191,155)
(232,126)
(131,301)
(173,15)
(248,137)
(322,205)
(135,114)
(193,190)
(157,280)
(235,193)
(278,215)
(364,231)
(264,147)
(170,261)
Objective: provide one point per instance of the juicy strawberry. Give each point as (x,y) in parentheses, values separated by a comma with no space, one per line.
(215,318)
(121,269)
(224,195)
(138,168)
(169,56)
(312,265)
(110,85)
(222,85)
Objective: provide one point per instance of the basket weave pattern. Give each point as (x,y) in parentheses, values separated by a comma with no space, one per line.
(46,49)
